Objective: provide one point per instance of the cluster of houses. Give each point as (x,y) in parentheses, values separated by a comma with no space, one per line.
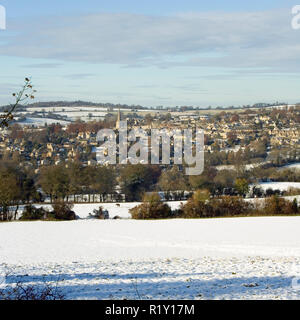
(224,129)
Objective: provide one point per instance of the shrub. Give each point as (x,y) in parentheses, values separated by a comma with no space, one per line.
(100,214)
(257,192)
(32,213)
(292,192)
(63,211)
(228,206)
(242,186)
(30,292)
(270,192)
(196,210)
(198,205)
(295,207)
(151,208)
(280,206)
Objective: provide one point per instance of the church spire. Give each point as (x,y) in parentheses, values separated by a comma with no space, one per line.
(118,120)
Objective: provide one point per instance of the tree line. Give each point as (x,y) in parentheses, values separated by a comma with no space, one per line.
(202,205)
(19,184)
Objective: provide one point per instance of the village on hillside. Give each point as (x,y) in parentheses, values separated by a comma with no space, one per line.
(272,134)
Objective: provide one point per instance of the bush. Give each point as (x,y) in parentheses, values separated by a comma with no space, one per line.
(100,214)
(198,206)
(201,206)
(30,292)
(196,210)
(63,211)
(270,192)
(257,192)
(228,206)
(292,192)
(280,206)
(32,213)
(242,186)
(151,208)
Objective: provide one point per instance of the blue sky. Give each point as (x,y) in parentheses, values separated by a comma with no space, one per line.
(152,53)
(20,8)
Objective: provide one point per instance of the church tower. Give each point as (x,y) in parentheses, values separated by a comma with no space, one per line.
(118,120)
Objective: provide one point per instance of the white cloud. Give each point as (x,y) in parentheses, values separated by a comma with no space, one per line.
(43,65)
(262,41)
(79,76)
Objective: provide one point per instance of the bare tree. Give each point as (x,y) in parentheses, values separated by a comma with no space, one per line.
(27,92)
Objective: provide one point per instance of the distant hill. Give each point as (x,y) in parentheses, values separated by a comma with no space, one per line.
(81,103)
(78,103)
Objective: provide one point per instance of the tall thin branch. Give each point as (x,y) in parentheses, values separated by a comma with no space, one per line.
(26,93)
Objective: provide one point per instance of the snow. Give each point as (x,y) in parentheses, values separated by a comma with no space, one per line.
(292,166)
(82,210)
(90,240)
(261,200)
(231,258)
(246,167)
(76,114)
(41,122)
(282,186)
(67,109)
(121,209)
(70,113)
(292,198)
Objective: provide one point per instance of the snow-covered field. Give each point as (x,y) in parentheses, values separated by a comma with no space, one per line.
(41,122)
(282,186)
(233,258)
(84,113)
(115,210)
(295,166)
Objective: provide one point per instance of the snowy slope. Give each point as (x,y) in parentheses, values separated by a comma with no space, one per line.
(93,240)
(121,210)
(292,166)
(282,186)
(41,122)
(214,258)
